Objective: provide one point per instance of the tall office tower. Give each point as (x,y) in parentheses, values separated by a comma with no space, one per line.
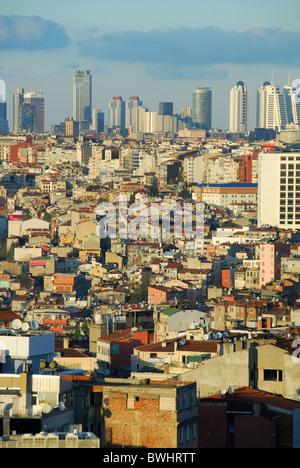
(271,107)
(165,108)
(279,189)
(97,121)
(3,109)
(292,107)
(37,101)
(117,113)
(29,111)
(132,103)
(202,108)
(18,99)
(82,98)
(239,108)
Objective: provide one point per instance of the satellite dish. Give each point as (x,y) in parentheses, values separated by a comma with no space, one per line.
(34,325)
(16,324)
(47,408)
(61,405)
(41,396)
(25,326)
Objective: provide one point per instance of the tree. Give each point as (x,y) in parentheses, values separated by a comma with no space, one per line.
(140,293)
(153,190)
(11,251)
(47,217)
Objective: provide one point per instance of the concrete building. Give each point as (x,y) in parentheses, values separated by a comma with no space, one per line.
(271,108)
(239,108)
(270,261)
(225,194)
(279,190)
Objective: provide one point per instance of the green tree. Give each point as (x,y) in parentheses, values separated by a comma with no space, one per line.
(139,293)
(11,251)
(3,246)
(153,190)
(47,217)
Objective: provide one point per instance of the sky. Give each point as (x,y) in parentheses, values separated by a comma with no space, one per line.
(158,50)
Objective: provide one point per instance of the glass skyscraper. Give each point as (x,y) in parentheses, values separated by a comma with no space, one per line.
(202,108)
(82,98)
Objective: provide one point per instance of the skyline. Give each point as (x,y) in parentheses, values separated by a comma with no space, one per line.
(153,54)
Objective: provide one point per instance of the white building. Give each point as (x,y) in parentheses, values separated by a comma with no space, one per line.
(271,107)
(239,108)
(279,190)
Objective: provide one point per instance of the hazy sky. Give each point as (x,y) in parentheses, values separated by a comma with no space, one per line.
(159,50)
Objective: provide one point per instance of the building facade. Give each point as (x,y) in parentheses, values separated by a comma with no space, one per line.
(279,190)
(82,98)
(202,108)
(239,108)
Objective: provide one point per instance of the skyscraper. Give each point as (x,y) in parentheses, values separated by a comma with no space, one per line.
(239,108)
(82,98)
(117,113)
(3,109)
(132,103)
(97,121)
(202,108)
(165,108)
(37,101)
(29,111)
(271,107)
(18,99)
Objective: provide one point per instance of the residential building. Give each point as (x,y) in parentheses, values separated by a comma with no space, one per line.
(150,415)
(114,351)
(239,108)
(270,261)
(279,190)
(271,107)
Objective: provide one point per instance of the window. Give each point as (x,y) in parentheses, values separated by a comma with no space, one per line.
(273,375)
(180,435)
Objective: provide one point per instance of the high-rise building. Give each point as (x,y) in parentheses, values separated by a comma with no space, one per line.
(29,111)
(132,103)
(239,108)
(3,109)
(18,99)
(97,121)
(271,107)
(117,113)
(82,98)
(279,189)
(37,101)
(202,108)
(165,108)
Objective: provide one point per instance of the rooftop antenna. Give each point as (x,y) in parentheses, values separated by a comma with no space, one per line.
(272,80)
